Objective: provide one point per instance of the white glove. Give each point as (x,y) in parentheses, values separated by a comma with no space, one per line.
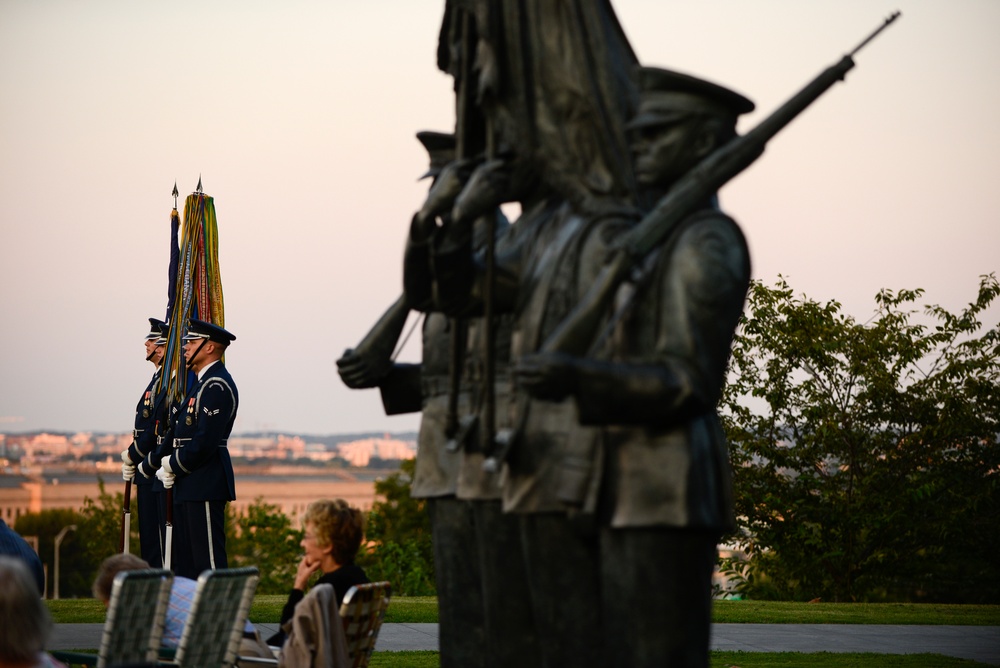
(126,459)
(165,475)
(165,463)
(128,472)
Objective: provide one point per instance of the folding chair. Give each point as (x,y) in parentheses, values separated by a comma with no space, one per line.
(134,623)
(363,611)
(218,615)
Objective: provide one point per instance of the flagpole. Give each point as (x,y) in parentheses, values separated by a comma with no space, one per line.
(123,543)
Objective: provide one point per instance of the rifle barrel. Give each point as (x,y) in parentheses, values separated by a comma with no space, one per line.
(689,192)
(885,24)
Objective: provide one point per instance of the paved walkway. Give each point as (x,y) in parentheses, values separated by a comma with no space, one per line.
(978,643)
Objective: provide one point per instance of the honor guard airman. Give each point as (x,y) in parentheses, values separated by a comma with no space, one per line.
(143,443)
(199,469)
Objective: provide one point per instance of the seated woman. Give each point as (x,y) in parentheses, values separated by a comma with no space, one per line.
(333,536)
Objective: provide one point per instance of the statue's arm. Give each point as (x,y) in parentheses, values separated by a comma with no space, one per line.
(617,393)
(401,391)
(370,361)
(675,371)
(697,301)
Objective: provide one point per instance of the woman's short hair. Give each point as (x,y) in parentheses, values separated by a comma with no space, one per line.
(111,567)
(26,622)
(336,524)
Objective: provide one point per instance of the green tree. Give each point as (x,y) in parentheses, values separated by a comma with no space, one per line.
(46,525)
(264,537)
(102,524)
(97,536)
(399,537)
(865,454)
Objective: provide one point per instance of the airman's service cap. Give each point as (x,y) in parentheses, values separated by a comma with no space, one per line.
(199,329)
(155,326)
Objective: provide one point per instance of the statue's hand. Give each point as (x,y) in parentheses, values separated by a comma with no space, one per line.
(359,370)
(548,376)
(488,188)
(446,187)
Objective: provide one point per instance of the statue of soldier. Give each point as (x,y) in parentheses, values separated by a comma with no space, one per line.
(511,637)
(666,489)
(443,467)
(542,270)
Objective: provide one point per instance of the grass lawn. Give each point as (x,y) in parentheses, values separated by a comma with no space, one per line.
(782,612)
(737,660)
(426,659)
(267,609)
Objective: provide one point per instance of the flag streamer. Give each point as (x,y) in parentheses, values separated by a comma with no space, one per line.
(195,285)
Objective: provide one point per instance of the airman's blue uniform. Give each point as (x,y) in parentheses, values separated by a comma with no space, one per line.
(143,444)
(201,425)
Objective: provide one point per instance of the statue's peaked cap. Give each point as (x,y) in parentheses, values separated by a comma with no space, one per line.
(666,96)
(441,149)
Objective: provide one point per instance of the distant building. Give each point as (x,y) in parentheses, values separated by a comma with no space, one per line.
(360,453)
(43,471)
(290,490)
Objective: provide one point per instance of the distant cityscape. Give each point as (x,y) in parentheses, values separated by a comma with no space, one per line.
(29,452)
(48,470)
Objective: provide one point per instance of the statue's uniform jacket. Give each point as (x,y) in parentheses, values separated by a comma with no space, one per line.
(667,458)
(440,471)
(203,422)
(539,276)
(547,263)
(436,472)
(480,582)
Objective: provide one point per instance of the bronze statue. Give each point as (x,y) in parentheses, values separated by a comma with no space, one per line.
(666,492)
(542,269)
(597,543)
(476,527)
(429,387)
(520,133)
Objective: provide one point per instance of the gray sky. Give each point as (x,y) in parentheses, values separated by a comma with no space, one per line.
(300,117)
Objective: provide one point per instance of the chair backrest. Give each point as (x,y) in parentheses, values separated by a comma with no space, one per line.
(362,611)
(134,623)
(218,615)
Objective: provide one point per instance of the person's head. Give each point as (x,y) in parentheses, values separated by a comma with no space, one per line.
(333,532)
(111,567)
(26,623)
(154,341)
(205,343)
(681,120)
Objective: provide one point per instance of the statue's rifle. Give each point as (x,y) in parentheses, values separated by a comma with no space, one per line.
(472,137)
(575,334)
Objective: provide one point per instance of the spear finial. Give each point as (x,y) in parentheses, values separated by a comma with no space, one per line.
(175,193)
(198,189)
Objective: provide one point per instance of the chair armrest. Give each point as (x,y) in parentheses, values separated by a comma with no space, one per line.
(75,658)
(251,660)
